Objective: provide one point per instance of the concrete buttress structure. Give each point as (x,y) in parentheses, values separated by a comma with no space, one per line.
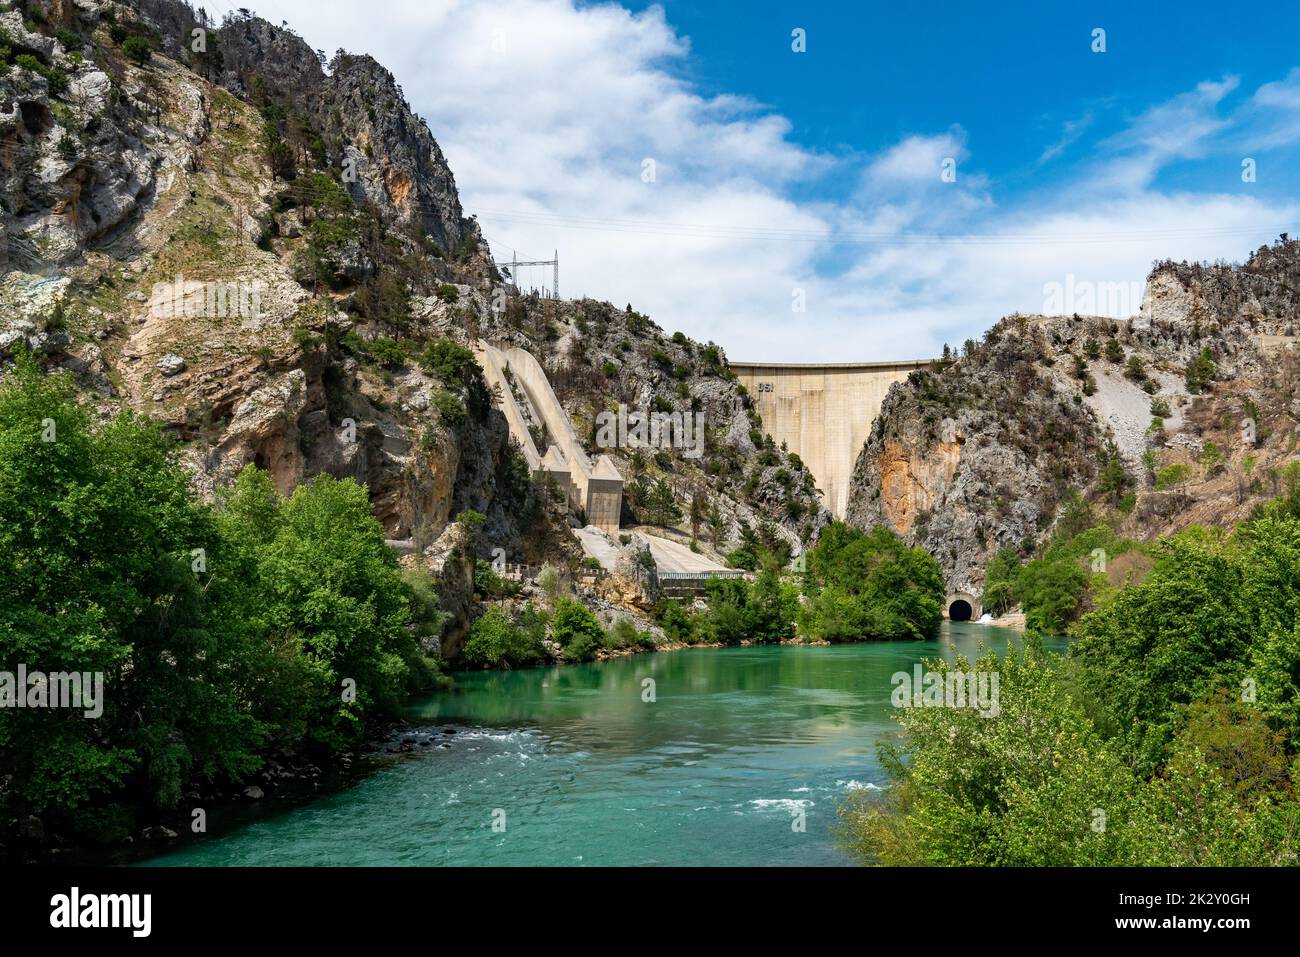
(823,413)
(532,408)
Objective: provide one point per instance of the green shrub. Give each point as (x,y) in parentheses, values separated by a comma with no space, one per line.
(676,622)
(760,612)
(742,558)
(70,39)
(1200,372)
(456,366)
(387,352)
(876,587)
(488,582)
(576,630)
(496,641)
(623,635)
(450,409)
(1000,582)
(1172,476)
(138,48)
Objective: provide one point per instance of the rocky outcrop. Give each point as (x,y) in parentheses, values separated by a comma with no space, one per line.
(397,163)
(977,453)
(633,582)
(74,161)
(387,154)
(599,358)
(450,560)
(255,248)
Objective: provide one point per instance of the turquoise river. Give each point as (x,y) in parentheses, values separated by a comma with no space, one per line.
(571,766)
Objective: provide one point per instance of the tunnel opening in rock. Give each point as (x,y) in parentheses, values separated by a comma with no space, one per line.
(959,610)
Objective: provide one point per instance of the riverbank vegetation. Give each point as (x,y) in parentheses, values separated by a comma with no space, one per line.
(1169,735)
(225,634)
(869,585)
(1075,569)
(853,586)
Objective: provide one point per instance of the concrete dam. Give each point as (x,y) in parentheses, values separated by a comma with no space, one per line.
(823,413)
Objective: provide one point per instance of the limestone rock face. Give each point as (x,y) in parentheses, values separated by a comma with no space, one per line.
(978,453)
(974,457)
(634,582)
(451,562)
(390,158)
(74,167)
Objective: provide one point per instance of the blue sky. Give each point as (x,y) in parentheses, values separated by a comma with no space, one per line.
(796,210)
(1013,78)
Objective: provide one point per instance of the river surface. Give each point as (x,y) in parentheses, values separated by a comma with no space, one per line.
(570,766)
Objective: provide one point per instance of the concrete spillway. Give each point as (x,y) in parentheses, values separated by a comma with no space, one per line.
(823,413)
(524,395)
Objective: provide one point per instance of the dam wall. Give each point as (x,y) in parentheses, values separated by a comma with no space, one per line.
(823,413)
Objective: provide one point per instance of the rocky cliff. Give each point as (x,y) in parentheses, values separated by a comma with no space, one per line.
(214,226)
(1146,417)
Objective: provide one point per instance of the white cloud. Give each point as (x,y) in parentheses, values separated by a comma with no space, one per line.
(547,112)
(1071,130)
(1274,114)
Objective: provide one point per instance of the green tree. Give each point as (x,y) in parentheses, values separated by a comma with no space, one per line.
(1200,372)
(1000,581)
(898,590)
(577,630)
(98,540)
(661,505)
(138,49)
(497,641)
(331,591)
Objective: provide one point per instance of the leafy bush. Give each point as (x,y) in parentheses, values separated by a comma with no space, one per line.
(138,48)
(222,633)
(1023,787)
(760,612)
(576,630)
(1054,588)
(54,77)
(1135,368)
(1172,476)
(456,366)
(450,409)
(870,585)
(742,558)
(623,634)
(1212,612)
(329,579)
(676,622)
(388,352)
(1000,582)
(496,641)
(488,582)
